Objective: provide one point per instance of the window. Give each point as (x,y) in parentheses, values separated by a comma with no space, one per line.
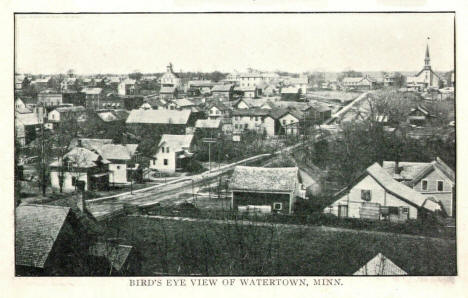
(162,149)
(167,149)
(74,181)
(166,162)
(246,125)
(256,118)
(277,206)
(424,185)
(393,210)
(440,185)
(365,194)
(405,210)
(284,122)
(118,167)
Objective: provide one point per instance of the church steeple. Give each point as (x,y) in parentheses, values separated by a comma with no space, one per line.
(427,59)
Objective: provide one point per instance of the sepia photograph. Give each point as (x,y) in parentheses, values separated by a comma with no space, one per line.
(235,144)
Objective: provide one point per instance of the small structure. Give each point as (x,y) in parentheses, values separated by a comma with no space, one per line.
(92,97)
(376,195)
(120,259)
(126,87)
(49,98)
(360,83)
(173,153)
(168,92)
(255,119)
(290,93)
(419,116)
(208,128)
(25,127)
(265,190)
(380,265)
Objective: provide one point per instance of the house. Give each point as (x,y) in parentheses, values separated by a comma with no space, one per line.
(20,107)
(80,164)
(265,190)
(126,87)
(208,128)
(290,93)
(361,83)
(26,125)
(317,112)
(426,78)
(249,80)
(376,195)
(289,120)
(63,114)
(92,97)
(247,103)
(159,121)
(40,84)
(380,265)
(49,98)
(435,180)
(419,116)
(248,91)
(255,119)
(173,153)
(121,164)
(49,241)
(218,110)
(67,83)
(223,92)
(301,83)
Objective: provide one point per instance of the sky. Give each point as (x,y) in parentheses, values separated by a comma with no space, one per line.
(117,43)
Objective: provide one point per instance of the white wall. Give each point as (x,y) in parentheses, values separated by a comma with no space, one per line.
(118,173)
(158,164)
(67,181)
(378,195)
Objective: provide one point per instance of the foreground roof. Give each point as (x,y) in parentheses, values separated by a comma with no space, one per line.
(37,228)
(116,254)
(264,179)
(159,116)
(380,265)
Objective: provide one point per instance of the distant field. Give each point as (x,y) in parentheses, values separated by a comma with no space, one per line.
(333,95)
(174,247)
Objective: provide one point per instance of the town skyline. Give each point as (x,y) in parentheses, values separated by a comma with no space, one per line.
(244,44)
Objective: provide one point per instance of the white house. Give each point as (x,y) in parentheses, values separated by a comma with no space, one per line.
(255,119)
(170,78)
(173,153)
(376,195)
(126,87)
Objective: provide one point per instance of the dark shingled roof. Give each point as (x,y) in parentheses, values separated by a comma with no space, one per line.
(264,179)
(37,228)
(116,254)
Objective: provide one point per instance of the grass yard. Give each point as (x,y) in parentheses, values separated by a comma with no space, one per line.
(185,248)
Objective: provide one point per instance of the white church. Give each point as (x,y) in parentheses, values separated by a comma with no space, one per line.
(426,78)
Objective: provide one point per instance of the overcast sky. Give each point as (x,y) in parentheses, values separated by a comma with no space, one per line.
(226,42)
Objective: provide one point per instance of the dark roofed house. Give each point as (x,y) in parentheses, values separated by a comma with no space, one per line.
(265,190)
(223,91)
(49,241)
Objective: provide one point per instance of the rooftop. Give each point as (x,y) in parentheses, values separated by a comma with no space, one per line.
(176,142)
(264,179)
(37,228)
(158,116)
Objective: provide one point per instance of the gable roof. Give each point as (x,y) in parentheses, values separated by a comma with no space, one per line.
(159,116)
(118,151)
(208,123)
(74,109)
(264,179)
(27,119)
(91,91)
(251,112)
(408,170)
(112,115)
(176,142)
(398,189)
(116,254)
(37,228)
(183,102)
(380,265)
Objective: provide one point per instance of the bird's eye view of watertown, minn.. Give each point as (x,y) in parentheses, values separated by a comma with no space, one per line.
(235,145)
